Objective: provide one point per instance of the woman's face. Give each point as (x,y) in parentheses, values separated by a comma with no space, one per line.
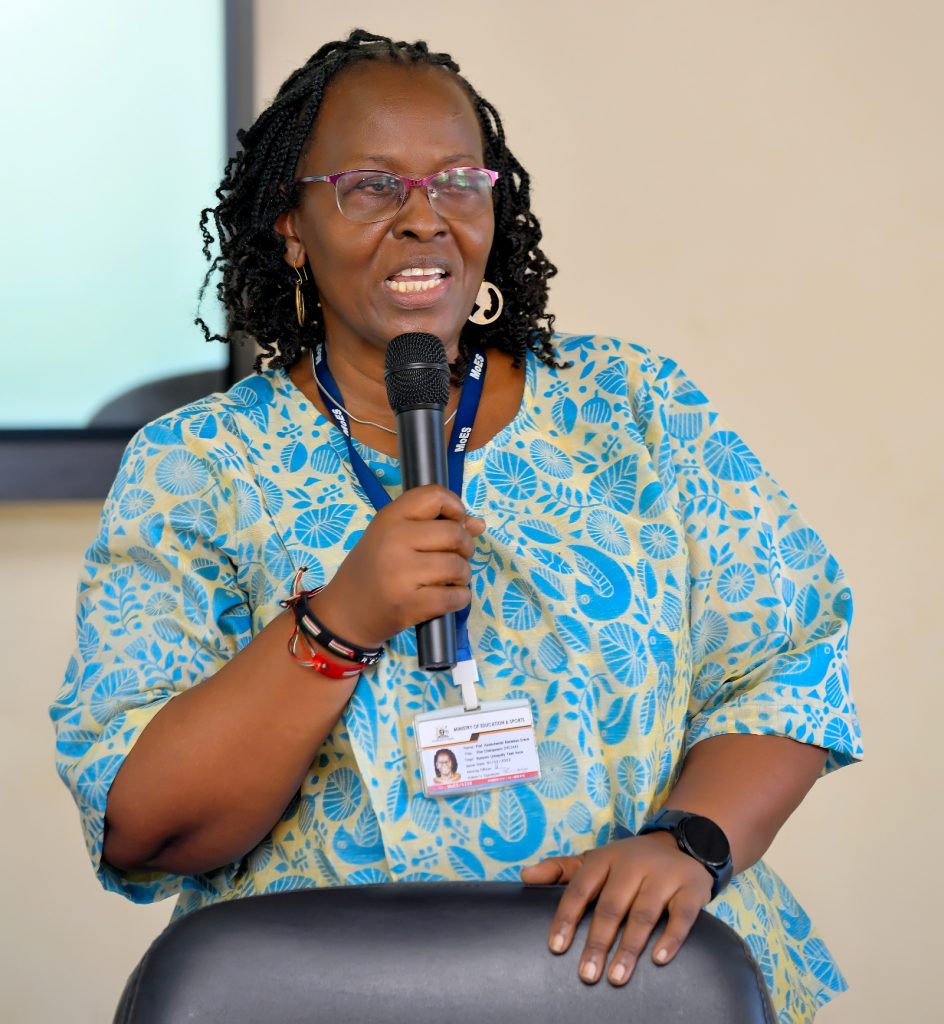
(414,121)
(443,765)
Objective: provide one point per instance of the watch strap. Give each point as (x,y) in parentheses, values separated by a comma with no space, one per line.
(674,821)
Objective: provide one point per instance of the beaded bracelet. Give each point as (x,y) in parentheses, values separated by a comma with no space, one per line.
(321,664)
(313,629)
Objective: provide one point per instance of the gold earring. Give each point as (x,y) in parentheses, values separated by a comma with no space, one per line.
(299,296)
(489,303)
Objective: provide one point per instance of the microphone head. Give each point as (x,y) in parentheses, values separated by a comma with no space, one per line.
(416,372)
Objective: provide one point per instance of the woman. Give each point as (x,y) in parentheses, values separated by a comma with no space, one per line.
(446,766)
(678,630)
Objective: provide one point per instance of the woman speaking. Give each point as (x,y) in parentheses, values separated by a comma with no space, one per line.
(653,638)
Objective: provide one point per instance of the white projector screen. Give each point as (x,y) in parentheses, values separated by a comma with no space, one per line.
(115,116)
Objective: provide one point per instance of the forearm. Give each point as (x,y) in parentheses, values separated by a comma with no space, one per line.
(214,770)
(749,785)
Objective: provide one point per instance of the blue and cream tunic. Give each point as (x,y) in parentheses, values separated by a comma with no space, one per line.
(642,581)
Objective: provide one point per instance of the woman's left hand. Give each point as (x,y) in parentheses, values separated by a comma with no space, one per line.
(634,881)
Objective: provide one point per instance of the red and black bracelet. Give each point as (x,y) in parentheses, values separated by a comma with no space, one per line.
(313,629)
(319,662)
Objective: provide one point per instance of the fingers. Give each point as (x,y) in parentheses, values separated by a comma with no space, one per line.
(441,569)
(622,894)
(634,882)
(475,526)
(433,519)
(442,587)
(438,535)
(552,871)
(583,888)
(684,908)
(643,917)
(430,502)
(415,555)
(424,584)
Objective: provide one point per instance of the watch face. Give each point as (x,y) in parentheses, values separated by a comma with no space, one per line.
(706,840)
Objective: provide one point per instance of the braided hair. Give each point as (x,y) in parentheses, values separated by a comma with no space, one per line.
(257,287)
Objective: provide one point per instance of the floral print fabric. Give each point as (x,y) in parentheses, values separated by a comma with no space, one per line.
(642,582)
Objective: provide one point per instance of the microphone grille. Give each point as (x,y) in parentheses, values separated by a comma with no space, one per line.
(416,372)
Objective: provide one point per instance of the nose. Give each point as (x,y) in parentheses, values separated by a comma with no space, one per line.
(416,218)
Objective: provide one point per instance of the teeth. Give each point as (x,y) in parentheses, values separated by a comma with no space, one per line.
(419,272)
(412,286)
(429,277)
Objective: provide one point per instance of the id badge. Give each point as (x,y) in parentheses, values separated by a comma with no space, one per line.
(461,750)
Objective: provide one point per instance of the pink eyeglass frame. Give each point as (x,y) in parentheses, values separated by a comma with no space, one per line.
(409,182)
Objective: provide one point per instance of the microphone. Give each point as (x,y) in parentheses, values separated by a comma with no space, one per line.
(417,377)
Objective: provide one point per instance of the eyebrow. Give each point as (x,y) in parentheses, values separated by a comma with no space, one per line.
(382,162)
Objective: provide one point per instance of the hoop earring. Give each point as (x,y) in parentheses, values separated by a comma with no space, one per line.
(299,295)
(489,303)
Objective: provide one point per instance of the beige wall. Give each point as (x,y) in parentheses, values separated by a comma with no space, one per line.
(66,947)
(776,227)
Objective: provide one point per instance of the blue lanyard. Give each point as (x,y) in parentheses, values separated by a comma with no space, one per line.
(455,454)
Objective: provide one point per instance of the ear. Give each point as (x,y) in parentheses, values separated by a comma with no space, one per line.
(295,254)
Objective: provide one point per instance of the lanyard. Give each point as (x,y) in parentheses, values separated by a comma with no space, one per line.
(455,454)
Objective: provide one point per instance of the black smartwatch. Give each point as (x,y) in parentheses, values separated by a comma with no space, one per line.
(700,838)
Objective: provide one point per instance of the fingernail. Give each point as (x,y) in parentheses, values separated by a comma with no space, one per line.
(557,943)
(589,971)
(617,973)
(662,955)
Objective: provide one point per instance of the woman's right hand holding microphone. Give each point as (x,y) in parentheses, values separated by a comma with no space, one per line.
(412,564)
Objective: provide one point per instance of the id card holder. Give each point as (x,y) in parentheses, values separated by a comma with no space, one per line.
(460,751)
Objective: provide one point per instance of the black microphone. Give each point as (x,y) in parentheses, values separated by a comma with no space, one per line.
(417,377)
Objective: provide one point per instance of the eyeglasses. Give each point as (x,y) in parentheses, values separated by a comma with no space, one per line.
(459,193)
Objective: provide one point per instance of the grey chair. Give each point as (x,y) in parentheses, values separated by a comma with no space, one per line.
(146,402)
(449,953)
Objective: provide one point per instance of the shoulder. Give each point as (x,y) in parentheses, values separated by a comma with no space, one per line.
(205,439)
(613,366)
(248,401)
(244,409)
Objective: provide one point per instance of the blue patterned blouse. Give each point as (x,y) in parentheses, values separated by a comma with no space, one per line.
(642,581)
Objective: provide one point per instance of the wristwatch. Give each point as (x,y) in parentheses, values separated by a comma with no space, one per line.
(700,838)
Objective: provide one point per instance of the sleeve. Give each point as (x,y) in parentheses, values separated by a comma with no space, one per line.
(769,606)
(159,610)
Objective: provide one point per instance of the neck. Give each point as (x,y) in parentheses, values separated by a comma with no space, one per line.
(504,387)
(360,379)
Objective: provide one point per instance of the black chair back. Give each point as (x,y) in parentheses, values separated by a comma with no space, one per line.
(438,953)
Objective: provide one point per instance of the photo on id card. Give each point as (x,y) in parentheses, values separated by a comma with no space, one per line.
(462,750)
